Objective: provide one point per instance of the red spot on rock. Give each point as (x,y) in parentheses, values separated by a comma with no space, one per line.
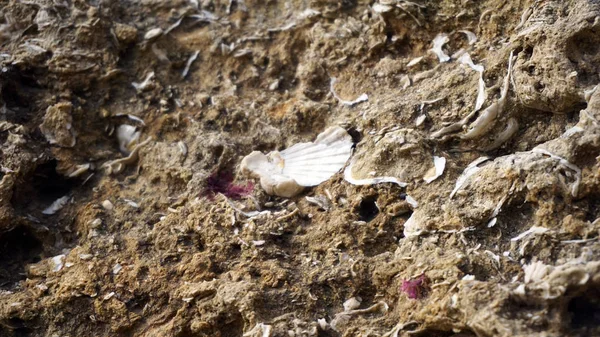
(416,288)
(222,182)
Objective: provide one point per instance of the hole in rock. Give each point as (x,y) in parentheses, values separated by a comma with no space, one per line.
(585,311)
(368,210)
(18,248)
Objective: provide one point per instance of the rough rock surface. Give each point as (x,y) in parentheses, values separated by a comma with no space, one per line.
(170,239)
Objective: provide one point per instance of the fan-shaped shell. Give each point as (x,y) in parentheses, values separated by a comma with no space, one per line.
(286,173)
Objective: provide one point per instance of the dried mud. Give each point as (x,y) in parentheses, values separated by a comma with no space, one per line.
(141,246)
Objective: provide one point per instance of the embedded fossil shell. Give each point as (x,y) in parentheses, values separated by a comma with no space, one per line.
(128,137)
(286,173)
(398,157)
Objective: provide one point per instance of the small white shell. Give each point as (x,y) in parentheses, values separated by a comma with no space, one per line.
(57,205)
(127,137)
(286,173)
(481,95)
(439,164)
(351,304)
(438,42)
(153,33)
(58,262)
(471,37)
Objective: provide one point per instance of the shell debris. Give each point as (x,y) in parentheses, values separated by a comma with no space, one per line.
(58,262)
(471,37)
(127,136)
(144,84)
(359,99)
(189,62)
(438,43)
(484,122)
(57,205)
(481,95)
(439,164)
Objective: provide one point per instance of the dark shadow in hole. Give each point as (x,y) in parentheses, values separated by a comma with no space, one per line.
(367,209)
(440,333)
(14,327)
(18,248)
(585,311)
(44,187)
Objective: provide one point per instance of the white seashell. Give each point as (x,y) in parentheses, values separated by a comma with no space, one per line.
(532,230)
(379,8)
(412,226)
(127,137)
(370,181)
(142,86)
(58,262)
(414,61)
(153,33)
(438,42)
(351,304)
(536,271)
(259,330)
(56,205)
(481,95)
(117,268)
(484,122)
(372,163)
(439,164)
(286,173)
(411,201)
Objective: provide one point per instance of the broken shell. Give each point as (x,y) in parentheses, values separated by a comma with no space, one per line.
(438,42)
(411,201)
(153,33)
(471,37)
(481,95)
(142,86)
(373,164)
(414,61)
(359,99)
(127,137)
(484,122)
(352,303)
(79,170)
(439,163)
(286,173)
(58,262)
(189,62)
(56,206)
(470,170)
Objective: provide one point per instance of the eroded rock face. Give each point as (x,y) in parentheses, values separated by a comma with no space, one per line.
(560,57)
(134,117)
